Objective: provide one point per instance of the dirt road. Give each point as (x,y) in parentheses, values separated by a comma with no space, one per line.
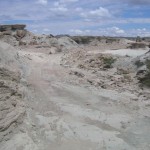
(62,116)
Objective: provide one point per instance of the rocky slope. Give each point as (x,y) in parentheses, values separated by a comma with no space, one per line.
(12,108)
(59,94)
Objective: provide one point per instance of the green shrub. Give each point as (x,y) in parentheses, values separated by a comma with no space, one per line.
(138,63)
(85,40)
(108,62)
(148,64)
(77,40)
(82,39)
(146,79)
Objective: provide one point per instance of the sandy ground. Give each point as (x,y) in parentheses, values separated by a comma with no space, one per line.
(62,116)
(122,52)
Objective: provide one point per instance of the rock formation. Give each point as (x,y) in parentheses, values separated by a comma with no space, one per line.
(12,27)
(12,34)
(11,102)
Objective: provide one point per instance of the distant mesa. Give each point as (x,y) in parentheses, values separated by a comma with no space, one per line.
(12,27)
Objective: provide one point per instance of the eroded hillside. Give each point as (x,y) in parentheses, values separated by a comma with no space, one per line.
(69,93)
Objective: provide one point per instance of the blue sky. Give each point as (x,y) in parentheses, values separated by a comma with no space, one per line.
(79,17)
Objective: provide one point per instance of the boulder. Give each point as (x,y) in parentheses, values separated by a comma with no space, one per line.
(21,33)
(54,50)
(77,73)
(22,43)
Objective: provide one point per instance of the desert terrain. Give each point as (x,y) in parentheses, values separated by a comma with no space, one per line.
(72,92)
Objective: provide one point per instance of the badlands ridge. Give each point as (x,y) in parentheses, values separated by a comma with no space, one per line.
(73,92)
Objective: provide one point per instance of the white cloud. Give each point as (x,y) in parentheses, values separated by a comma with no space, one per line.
(138,20)
(56,4)
(46,30)
(139,32)
(62,15)
(63,2)
(79,9)
(80,32)
(43,2)
(100,13)
(117,30)
(59,9)
(112,31)
(68,1)
(76,31)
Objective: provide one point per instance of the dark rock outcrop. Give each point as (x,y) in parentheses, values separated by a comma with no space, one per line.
(12,27)
(138,45)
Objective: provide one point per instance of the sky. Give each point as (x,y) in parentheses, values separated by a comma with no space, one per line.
(79,17)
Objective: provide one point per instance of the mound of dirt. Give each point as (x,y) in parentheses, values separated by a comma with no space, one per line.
(67,42)
(8,57)
(11,102)
(9,39)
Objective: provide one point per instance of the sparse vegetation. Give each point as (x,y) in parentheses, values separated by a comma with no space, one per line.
(108,62)
(146,79)
(127,77)
(139,64)
(137,45)
(111,40)
(82,40)
(148,64)
(138,39)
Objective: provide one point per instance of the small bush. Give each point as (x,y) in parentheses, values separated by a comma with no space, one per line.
(138,39)
(138,63)
(85,40)
(111,40)
(148,64)
(108,62)
(146,79)
(82,40)
(137,45)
